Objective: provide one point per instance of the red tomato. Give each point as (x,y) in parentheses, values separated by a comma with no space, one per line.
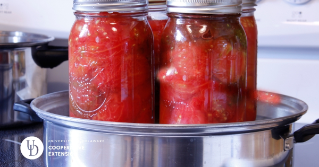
(143,104)
(72,115)
(268,97)
(189,64)
(203,68)
(112,109)
(110,59)
(229,64)
(186,113)
(250,27)
(177,87)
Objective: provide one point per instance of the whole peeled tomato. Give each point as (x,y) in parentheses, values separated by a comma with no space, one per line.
(229,64)
(110,61)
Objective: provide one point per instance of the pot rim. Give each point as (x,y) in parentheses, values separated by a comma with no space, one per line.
(58,99)
(15,39)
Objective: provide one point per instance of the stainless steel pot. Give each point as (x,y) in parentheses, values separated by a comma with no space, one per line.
(20,77)
(80,142)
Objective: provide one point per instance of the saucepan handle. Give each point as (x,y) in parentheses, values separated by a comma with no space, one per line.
(307,132)
(24,106)
(49,56)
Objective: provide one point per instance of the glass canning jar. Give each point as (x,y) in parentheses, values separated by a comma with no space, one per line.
(157,17)
(248,22)
(203,63)
(110,62)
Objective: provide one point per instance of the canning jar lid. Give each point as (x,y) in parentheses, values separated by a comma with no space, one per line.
(156,2)
(248,4)
(157,5)
(204,6)
(110,5)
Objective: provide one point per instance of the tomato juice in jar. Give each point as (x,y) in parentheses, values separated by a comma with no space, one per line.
(157,17)
(203,63)
(248,22)
(110,62)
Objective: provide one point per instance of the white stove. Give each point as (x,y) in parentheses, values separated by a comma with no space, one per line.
(288,53)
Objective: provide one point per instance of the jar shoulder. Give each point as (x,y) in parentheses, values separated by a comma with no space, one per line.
(203,31)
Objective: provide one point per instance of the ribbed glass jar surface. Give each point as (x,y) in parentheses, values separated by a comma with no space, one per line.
(249,24)
(110,67)
(157,17)
(202,69)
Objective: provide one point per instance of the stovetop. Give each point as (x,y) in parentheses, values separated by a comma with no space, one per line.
(10,140)
(304,154)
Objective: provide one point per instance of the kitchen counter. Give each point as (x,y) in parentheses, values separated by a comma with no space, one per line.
(304,154)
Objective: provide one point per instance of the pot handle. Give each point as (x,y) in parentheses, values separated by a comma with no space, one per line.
(24,106)
(49,56)
(306,132)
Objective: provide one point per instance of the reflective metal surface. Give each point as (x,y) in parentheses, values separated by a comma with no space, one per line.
(9,117)
(20,78)
(110,5)
(80,142)
(303,154)
(12,79)
(156,4)
(89,148)
(5,76)
(53,107)
(249,3)
(14,39)
(204,6)
(18,59)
